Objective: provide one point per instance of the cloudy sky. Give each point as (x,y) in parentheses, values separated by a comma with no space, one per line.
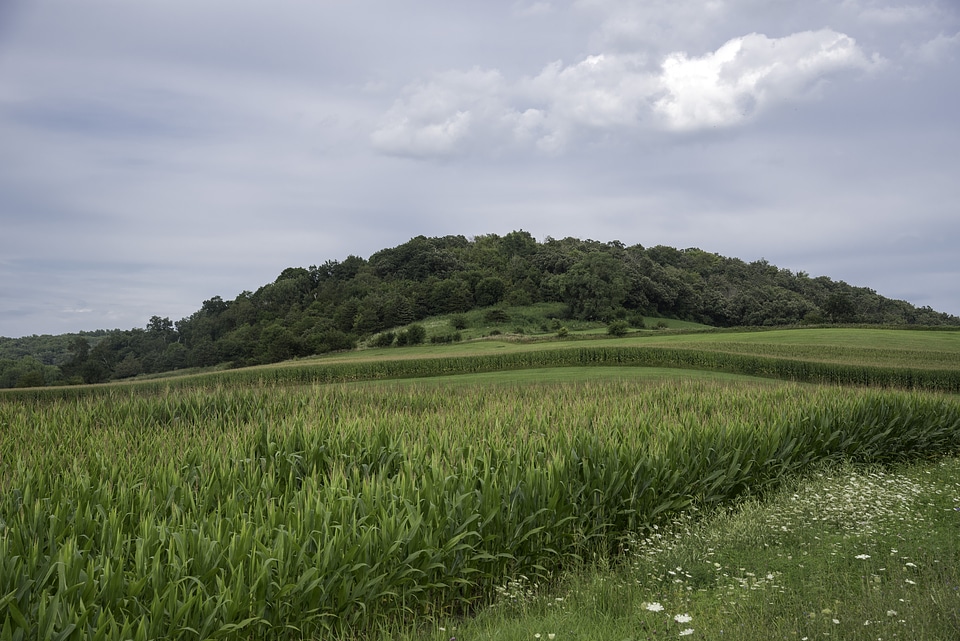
(156,153)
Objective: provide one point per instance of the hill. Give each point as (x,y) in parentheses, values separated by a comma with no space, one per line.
(341,304)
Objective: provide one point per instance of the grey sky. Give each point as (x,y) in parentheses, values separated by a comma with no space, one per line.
(154,154)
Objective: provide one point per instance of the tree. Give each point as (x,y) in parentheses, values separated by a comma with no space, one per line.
(278,343)
(450,295)
(128,367)
(595,287)
(489,291)
(159,325)
(840,308)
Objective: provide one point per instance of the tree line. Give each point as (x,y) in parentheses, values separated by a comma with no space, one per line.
(335,305)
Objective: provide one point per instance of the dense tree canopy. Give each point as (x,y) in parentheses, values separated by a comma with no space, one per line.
(332,307)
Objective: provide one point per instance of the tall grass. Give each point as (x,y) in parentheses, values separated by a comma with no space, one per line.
(295,511)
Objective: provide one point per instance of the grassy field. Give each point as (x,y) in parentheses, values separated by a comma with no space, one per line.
(891,347)
(384,493)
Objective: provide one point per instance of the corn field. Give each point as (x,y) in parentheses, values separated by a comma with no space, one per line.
(904,369)
(275,510)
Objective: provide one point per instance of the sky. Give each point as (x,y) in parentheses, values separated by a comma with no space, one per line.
(157,153)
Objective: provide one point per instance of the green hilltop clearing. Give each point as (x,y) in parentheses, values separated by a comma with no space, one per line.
(637,484)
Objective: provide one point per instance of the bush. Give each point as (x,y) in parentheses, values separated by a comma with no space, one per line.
(384,340)
(562,332)
(458,321)
(496,316)
(636,320)
(416,334)
(618,328)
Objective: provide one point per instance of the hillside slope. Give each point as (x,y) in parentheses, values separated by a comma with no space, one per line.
(333,306)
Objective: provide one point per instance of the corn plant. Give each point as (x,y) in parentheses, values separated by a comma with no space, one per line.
(262,509)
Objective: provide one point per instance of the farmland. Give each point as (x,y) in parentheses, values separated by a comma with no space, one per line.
(377,490)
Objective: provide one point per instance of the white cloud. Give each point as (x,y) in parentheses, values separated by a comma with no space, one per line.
(612,93)
(438,118)
(748,73)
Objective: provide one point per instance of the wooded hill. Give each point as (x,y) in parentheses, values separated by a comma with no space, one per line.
(340,304)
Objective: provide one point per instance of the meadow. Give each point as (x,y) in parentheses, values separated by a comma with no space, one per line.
(383,492)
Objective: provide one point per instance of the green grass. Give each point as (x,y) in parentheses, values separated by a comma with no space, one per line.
(886,347)
(893,347)
(847,553)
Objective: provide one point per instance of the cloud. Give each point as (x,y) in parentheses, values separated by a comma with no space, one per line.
(610,93)
(437,118)
(749,73)
(897,15)
(625,25)
(939,49)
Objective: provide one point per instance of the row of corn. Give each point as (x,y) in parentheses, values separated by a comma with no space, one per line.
(802,365)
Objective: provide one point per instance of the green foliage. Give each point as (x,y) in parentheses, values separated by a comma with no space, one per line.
(618,328)
(413,335)
(489,291)
(333,306)
(416,334)
(384,340)
(595,287)
(496,315)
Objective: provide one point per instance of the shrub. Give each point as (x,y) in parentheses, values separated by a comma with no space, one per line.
(384,340)
(416,334)
(618,328)
(636,320)
(496,316)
